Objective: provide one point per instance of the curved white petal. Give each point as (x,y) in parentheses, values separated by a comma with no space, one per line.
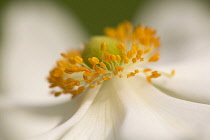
(191,81)
(101,121)
(183,27)
(35,33)
(23,120)
(151,114)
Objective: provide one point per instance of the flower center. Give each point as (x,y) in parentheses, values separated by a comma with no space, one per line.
(98,47)
(123,52)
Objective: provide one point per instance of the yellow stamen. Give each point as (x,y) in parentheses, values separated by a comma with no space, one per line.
(134,60)
(118,58)
(103,46)
(80,70)
(102,65)
(126,60)
(121,46)
(92,86)
(154,57)
(78,59)
(99,82)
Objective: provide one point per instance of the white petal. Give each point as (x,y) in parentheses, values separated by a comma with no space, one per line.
(20,120)
(190,82)
(35,33)
(101,121)
(150,114)
(183,27)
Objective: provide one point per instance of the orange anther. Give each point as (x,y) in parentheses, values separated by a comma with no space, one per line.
(120,75)
(103,46)
(154,57)
(81,88)
(113,57)
(102,70)
(132,74)
(121,46)
(134,60)
(118,58)
(78,59)
(146,70)
(172,72)
(128,75)
(126,60)
(136,71)
(102,65)
(99,82)
(92,86)
(115,73)
(95,60)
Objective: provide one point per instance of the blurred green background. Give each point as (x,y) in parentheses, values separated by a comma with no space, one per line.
(96,14)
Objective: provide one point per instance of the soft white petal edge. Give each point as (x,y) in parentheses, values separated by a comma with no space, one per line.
(190,82)
(183,27)
(35,33)
(100,120)
(25,120)
(151,114)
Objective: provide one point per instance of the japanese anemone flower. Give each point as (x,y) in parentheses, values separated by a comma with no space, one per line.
(118,93)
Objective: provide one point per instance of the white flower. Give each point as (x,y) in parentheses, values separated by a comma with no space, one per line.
(120,108)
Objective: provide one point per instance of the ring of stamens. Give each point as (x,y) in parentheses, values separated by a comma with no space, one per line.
(73,76)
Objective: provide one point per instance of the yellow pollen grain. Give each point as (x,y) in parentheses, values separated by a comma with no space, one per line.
(81,88)
(113,57)
(154,57)
(130,54)
(72,60)
(102,70)
(115,73)
(141,59)
(134,60)
(92,86)
(146,70)
(103,46)
(120,75)
(136,71)
(99,82)
(95,60)
(64,55)
(121,46)
(149,79)
(172,72)
(155,74)
(148,50)
(106,77)
(118,58)
(119,69)
(128,75)
(57,94)
(96,69)
(139,54)
(57,73)
(123,54)
(69,80)
(85,77)
(156,42)
(126,60)
(132,74)
(102,65)
(78,59)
